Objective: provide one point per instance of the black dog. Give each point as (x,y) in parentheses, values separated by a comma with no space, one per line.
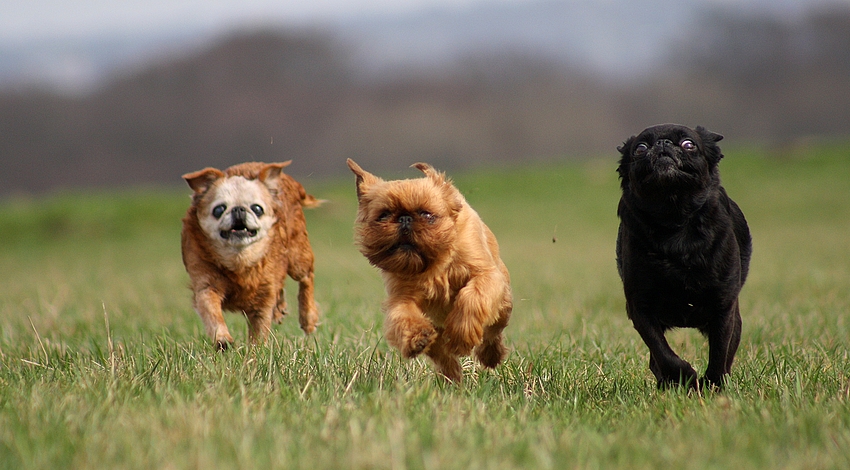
(683,249)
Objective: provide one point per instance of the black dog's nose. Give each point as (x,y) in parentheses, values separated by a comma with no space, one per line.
(663,142)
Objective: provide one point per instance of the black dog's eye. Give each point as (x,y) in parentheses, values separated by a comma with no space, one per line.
(641,149)
(688,145)
(384,216)
(257,209)
(218,210)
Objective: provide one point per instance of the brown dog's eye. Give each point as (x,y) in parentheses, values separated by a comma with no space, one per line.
(688,145)
(384,216)
(641,149)
(427,216)
(218,210)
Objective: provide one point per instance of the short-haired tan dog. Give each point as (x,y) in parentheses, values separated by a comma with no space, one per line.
(448,292)
(243,234)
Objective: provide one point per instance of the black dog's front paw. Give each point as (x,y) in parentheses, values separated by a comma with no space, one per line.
(682,375)
(708,384)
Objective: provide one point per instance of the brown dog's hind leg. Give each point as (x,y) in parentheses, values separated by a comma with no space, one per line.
(447,364)
(280,307)
(308,312)
(260,325)
(491,351)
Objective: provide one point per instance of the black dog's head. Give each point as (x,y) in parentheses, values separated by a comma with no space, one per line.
(669,158)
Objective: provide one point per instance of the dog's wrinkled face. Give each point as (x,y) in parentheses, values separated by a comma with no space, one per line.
(669,157)
(233,211)
(405,226)
(237,212)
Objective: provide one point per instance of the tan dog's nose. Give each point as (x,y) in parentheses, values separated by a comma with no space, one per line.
(239,213)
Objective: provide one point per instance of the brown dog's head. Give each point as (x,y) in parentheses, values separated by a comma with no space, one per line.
(668,159)
(406,226)
(236,211)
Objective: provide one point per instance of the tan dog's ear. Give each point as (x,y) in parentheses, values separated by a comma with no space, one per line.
(450,193)
(199,181)
(363,177)
(430,172)
(270,173)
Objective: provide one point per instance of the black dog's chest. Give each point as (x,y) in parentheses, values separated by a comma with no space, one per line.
(673,277)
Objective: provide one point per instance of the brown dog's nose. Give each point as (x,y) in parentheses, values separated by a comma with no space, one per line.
(405,221)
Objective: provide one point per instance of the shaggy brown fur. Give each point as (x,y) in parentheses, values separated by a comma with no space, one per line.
(448,292)
(243,233)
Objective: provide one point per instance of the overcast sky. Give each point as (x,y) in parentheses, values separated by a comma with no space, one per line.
(26,20)
(66,43)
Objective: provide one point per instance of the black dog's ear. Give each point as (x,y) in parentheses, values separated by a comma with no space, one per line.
(625,157)
(709,140)
(706,135)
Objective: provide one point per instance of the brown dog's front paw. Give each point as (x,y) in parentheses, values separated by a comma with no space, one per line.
(417,341)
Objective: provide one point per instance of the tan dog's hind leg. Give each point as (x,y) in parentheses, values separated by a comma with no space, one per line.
(491,351)
(447,364)
(260,325)
(208,306)
(407,329)
(308,313)
(280,307)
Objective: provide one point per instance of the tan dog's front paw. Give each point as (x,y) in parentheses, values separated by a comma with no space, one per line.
(223,341)
(417,340)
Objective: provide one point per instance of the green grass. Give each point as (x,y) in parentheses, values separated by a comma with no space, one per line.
(103,363)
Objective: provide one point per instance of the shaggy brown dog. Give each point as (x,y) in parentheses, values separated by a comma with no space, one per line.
(244,232)
(447,289)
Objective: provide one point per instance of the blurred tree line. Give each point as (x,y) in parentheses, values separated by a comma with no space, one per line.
(273,95)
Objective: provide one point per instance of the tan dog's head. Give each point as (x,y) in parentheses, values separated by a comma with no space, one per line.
(406,226)
(236,212)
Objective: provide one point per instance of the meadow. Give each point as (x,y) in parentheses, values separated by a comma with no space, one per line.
(104,364)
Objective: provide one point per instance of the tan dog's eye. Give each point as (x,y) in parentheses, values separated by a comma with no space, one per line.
(218,210)
(688,145)
(257,209)
(641,149)
(384,216)
(429,217)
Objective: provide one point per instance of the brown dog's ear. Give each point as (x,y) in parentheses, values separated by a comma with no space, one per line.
(452,196)
(430,172)
(363,178)
(199,181)
(272,171)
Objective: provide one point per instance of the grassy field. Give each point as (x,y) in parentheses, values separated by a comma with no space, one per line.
(103,363)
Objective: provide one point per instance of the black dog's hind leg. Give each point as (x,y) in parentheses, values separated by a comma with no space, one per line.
(669,369)
(723,338)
